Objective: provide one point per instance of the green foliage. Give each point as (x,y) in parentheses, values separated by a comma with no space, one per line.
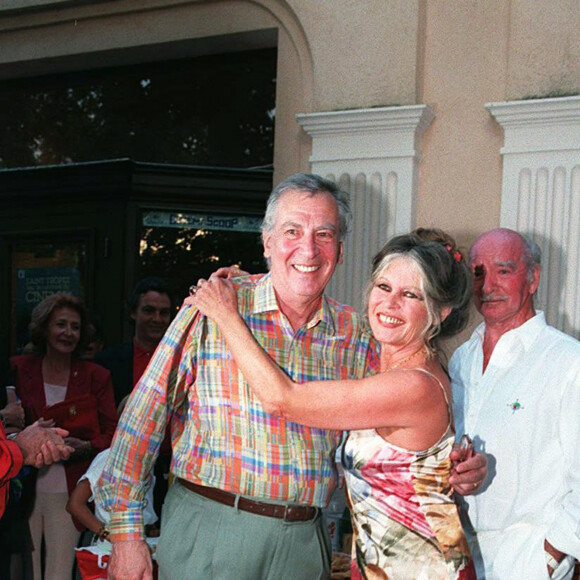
(215,110)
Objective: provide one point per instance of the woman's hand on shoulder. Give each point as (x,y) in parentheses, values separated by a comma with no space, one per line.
(216,298)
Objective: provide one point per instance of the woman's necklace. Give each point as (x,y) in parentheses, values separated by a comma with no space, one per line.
(406,359)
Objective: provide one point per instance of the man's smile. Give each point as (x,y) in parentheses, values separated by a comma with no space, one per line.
(305,269)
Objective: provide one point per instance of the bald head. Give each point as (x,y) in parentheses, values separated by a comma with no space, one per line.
(506,276)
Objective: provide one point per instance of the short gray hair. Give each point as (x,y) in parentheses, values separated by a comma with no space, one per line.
(532,256)
(312,184)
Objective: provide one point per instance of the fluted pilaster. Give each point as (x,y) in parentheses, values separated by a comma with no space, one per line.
(373,154)
(541,195)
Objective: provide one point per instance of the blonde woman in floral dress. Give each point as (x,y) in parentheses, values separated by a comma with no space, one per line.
(397,456)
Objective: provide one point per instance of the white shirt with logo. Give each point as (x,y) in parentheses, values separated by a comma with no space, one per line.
(524,413)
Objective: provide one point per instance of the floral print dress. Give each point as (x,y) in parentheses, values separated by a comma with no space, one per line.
(405,522)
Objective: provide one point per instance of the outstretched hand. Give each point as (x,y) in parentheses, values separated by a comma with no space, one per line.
(216,298)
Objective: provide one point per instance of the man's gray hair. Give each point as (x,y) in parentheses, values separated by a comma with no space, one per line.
(312,184)
(532,256)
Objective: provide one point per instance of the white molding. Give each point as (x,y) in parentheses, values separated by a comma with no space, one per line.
(373,154)
(363,120)
(540,125)
(541,195)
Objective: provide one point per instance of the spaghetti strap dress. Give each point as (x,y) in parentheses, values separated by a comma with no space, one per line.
(405,523)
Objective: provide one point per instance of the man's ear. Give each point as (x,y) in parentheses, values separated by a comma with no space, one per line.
(340,253)
(266,239)
(535,279)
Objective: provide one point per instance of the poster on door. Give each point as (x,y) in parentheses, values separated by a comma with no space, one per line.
(33,285)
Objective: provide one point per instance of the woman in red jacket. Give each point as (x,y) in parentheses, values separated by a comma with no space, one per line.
(55,383)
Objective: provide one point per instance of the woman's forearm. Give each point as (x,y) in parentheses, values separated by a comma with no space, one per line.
(217,299)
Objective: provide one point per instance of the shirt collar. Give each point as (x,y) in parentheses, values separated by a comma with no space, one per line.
(265,301)
(526,333)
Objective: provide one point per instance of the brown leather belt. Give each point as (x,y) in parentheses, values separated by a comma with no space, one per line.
(289,513)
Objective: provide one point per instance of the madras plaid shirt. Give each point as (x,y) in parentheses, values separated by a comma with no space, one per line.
(221,435)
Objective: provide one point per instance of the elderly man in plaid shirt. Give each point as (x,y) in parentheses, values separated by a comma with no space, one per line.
(249,486)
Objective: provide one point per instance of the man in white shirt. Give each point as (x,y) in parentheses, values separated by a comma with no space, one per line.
(516,390)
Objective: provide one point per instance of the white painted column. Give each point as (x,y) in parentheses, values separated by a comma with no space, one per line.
(373,154)
(541,195)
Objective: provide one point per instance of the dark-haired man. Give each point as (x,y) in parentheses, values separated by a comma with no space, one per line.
(150,308)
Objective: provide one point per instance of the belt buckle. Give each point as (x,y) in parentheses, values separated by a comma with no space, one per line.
(289,507)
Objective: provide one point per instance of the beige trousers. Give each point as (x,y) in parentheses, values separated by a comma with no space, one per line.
(49,519)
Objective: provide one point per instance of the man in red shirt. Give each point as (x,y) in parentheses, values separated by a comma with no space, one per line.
(150,307)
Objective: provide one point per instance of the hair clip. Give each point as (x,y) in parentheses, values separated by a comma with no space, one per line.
(456,255)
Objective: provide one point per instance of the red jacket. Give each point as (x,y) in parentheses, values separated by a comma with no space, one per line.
(10,464)
(85,378)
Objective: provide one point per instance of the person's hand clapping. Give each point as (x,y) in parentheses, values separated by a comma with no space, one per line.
(42,446)
(81,447)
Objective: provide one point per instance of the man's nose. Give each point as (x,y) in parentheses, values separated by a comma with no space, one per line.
(487,283)
(308,245)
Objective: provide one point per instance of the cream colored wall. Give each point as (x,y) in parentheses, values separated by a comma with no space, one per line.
(544,49)
(475,53)
(364,52)
(478,52)
(465,67)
